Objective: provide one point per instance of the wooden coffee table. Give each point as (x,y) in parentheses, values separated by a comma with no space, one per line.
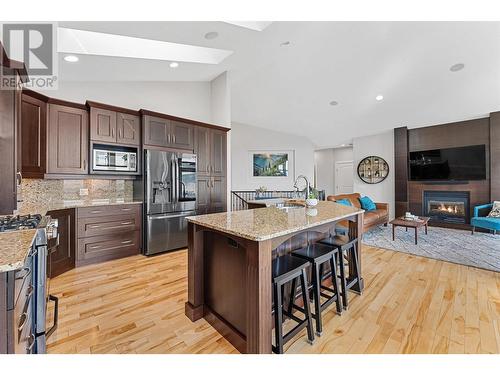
(402,222)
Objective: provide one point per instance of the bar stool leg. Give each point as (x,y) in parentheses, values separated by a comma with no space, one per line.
(356,260)
(317,298)
(335,284)
(343,279)
(307,309)
(278,318)
(292,296)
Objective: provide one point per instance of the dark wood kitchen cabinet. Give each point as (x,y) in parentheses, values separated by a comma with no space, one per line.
(211,149)
(109,124)
(211,194)
(64,257)
(163,132)
(102,125)
(128,129)
(10,140)
(68,140)
(33,136)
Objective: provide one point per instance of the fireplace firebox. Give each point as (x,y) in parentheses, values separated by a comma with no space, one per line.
(447,206)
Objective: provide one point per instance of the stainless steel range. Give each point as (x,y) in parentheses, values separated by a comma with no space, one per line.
(36,268)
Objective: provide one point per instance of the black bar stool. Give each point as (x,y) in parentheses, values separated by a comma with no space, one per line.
(318,255)
(285,269)
(346,247)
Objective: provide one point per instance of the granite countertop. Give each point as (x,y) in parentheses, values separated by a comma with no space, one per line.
(268,201)
(61,205)
(14,247)
(265,223)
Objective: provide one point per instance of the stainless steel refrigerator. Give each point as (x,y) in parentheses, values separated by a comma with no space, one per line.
(169,196)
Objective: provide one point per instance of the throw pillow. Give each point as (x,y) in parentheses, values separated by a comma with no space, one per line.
(367,204)
(495,210)
(345,202)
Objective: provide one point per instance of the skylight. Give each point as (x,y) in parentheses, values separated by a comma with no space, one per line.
(252,25)
(74,41)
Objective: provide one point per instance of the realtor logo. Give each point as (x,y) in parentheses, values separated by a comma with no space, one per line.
(34,45)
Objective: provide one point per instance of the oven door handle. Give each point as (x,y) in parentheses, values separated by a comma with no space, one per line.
(56,315)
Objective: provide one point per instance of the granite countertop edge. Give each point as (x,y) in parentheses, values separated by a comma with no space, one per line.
(192,219)
(18,242)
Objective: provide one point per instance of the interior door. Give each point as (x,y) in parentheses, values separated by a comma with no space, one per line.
(344,178)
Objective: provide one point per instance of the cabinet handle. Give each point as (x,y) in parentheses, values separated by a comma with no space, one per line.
(112,132)
(208,168)
(84,164)
(168,138)
(95,246)
(94,226)
(19,178)
(127,223)
(126,209)
(208,183)
(174,138)
(119,133)
(126,242)
(95,212)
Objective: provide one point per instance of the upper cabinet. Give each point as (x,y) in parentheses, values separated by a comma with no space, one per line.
(114,126)
(67,145)
(163,132)
(211,151)
(33,137)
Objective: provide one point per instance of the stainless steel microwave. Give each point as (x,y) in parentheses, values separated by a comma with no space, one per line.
(114,160)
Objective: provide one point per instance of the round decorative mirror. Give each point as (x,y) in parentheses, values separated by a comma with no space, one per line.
(373,169)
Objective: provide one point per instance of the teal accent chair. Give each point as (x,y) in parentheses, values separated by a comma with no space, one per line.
(481,221)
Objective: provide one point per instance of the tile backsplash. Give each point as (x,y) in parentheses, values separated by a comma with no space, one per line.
(41,195)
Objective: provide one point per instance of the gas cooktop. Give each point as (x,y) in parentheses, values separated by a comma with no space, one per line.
(10,223)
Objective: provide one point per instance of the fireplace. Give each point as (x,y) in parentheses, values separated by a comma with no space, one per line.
(447,206)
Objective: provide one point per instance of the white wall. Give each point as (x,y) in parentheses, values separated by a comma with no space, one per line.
(382,145)
(325,166)
(246,138)
(220,100)
(184,99)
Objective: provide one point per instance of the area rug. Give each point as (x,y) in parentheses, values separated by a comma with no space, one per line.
(451,245)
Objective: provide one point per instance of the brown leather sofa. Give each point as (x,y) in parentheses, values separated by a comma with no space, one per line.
(371,219)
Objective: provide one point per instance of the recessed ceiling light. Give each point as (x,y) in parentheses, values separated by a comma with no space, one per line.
(284,44)
(457,67)
(71,58)
(174,64)
(211,35)
(379,97)
(333,102)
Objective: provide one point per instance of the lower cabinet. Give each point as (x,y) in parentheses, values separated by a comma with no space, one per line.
(64,257)
(108,232)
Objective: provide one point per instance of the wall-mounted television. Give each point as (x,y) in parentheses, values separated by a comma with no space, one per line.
(453,164)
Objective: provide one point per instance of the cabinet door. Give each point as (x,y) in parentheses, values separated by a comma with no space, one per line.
(156,131)
(68,142)
(102,125)
(218,153)
(218,194)
(128,129)
(203,197)
(202,151)
(63,259)
(8,152)
(33,137)
(181,135)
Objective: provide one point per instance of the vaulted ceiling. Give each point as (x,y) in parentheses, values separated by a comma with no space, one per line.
(285,76)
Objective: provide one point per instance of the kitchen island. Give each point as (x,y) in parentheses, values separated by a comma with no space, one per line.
(229,264)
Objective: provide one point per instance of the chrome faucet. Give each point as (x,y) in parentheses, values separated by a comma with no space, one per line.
(307,184)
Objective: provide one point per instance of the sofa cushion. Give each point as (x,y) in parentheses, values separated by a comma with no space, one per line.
(379,212)
(353,198)
(367,204)
(345,202)
(370,217)
(486,222)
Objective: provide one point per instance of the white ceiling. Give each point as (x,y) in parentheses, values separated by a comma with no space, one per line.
(288,88)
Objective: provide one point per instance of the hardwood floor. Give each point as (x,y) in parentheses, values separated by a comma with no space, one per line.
(410,305)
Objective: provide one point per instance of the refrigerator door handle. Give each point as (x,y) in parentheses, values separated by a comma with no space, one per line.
(171,216)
